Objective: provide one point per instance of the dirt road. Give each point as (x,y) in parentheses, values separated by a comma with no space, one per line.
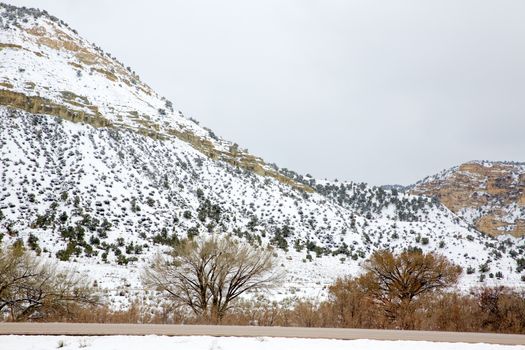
(248,331)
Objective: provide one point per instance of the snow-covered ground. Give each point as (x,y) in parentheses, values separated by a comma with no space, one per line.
(225,343)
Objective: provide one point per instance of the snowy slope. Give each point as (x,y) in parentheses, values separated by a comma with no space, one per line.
(100,172)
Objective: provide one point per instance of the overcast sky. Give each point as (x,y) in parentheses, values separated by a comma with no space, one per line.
(377,91)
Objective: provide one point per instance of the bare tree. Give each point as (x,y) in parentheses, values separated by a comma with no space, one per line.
(395,281)
(206,275)
(31,287)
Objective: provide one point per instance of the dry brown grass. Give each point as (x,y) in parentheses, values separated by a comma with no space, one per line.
(499,310)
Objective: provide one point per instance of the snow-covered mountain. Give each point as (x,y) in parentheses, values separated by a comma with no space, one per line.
(99,171)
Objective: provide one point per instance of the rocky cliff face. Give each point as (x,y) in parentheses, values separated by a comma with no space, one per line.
(489,195)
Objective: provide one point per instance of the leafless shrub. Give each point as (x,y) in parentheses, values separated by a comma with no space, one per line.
(31,288)
(206,275)
(397,281)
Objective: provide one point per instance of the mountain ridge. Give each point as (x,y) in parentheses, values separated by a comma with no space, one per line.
(100,172)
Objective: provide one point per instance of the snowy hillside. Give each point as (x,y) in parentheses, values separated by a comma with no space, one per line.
(99,171)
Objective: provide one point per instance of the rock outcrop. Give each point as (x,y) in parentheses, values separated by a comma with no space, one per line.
(489,195)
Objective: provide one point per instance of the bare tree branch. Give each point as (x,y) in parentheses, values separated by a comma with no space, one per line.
(206,275)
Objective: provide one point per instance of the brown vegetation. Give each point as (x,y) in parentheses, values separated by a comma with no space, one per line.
(31,288)
(485,310)
(415,281)
(396,282)
(206,275)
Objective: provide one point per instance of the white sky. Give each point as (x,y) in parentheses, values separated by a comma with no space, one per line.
(384,91)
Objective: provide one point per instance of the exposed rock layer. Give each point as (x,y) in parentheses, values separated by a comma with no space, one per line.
(489,194)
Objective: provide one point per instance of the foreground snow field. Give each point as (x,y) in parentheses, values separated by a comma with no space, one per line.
(224,343)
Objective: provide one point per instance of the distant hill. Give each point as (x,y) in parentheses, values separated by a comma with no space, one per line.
(488,195)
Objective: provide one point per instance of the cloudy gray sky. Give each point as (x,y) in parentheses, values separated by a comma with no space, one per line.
(381,91)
